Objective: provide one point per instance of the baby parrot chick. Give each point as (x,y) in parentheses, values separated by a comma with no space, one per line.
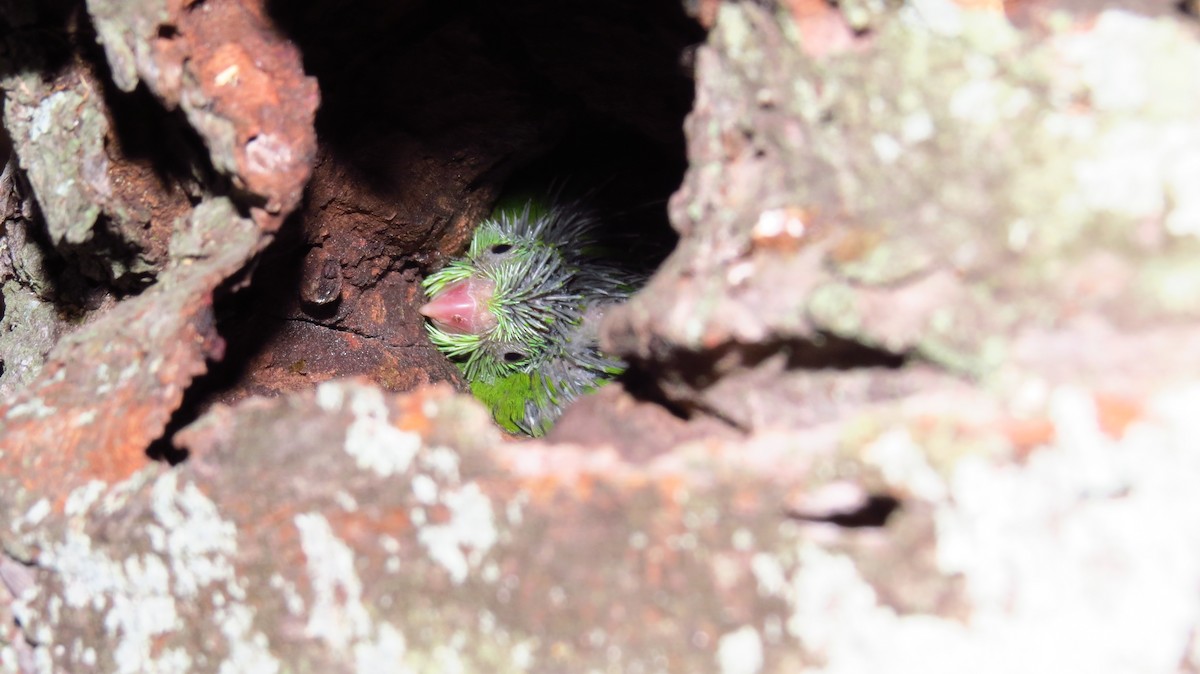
(520,311)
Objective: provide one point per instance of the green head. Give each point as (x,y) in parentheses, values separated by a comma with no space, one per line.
(496,309)
(519,311)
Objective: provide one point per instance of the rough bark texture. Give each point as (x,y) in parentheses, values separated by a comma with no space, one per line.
(915,392)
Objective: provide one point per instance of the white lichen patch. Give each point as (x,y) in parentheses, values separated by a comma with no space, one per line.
(1142,79)
(389,544)
(1129,61)
(1085,558)
(337,615)
(346,500)
(117,497)
(371,439)
(886,147)
(48,111)
(740,652)
(424,489)
(133,593)
(742,539)
(441,462)
(522,653)
(939,16)
(292,600)
(35,408)
(514,510)
(768,572)
(144,595)
(382,655)
(836,615)
(462,542)
(1090,538)
(191,534)
(331,395)
(391,548)
(249,649)
(448,659)
(904,465)
(917,127)
(80,500)
(33,516)
(175,661)
(1133,168)
(84,418)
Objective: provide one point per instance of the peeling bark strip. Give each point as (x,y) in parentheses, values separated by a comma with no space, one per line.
(351,530)
(977,217)
(108,389)
(240,83)
(109,214)
(348,530)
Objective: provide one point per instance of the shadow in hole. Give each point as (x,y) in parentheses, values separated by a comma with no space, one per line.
(248,319)
(873,513)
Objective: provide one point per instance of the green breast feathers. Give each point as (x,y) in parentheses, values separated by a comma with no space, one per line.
(519,312)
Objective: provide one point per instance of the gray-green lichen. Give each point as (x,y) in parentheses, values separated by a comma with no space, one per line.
(219,133)
(63,139)
(213,230)
(28,330)
(127,31)
(60,141)
(949,146)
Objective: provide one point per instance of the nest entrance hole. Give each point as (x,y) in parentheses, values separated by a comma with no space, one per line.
(429,113)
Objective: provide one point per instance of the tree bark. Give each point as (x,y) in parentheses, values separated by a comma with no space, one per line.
(914,392)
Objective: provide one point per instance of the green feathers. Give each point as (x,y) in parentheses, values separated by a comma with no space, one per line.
(519,312)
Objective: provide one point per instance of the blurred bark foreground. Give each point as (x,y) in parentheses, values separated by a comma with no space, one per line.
(924,387)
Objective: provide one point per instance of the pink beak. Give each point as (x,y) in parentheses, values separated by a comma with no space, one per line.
(462,307)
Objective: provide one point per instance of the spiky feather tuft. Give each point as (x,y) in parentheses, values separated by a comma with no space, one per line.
(552,284)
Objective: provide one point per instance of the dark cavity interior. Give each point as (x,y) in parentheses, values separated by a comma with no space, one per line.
(430,112)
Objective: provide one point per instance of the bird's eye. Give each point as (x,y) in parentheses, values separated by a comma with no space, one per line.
(501,248)
(513,356)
